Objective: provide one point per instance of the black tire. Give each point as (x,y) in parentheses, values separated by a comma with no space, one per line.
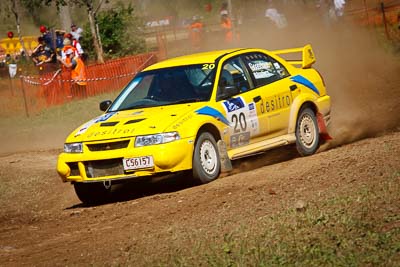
(307,133)
(92,193)
(206,161)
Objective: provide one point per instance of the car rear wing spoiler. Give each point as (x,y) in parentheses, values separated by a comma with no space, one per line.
(307,59)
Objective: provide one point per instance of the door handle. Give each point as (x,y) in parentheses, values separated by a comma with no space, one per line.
(257,98)
(293,87)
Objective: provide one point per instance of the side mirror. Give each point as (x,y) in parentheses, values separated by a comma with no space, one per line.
(228,91)
(104,105)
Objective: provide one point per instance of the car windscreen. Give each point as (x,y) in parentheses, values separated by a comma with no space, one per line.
(183,84)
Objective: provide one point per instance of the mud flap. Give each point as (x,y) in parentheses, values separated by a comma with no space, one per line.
(226,164)
(323,131)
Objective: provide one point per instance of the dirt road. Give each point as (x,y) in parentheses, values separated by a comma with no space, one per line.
(43,223)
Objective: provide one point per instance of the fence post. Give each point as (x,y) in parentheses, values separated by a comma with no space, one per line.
(366,11)
(384,20)
(24,94)
(11,85)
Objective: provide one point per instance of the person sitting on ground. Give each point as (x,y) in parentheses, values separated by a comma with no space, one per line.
(42,53)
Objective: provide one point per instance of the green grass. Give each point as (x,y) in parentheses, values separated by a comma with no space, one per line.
(357,228)
(72,113)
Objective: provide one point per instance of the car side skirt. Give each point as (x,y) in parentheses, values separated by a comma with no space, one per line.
(261,146)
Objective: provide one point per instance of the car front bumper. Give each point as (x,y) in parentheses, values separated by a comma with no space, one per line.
(107,164)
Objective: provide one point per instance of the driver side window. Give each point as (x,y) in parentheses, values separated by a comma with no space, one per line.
(233,79)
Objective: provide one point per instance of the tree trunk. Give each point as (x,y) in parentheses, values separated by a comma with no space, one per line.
(96,36)
(65,17)
(14,9)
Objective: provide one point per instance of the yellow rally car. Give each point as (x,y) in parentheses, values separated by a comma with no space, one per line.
(198,112)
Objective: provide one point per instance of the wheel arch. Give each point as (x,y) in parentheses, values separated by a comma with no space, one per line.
(297,106)
(211,128)
(310,105)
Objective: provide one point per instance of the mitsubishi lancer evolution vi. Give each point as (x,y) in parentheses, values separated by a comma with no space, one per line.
(198,113)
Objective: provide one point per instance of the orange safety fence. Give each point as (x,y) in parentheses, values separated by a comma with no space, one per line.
(55,88)
(376,15)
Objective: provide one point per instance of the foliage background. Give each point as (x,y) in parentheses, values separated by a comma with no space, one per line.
(121,23)
(120,31)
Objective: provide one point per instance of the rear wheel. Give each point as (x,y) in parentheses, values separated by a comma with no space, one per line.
(92,193)
(206,161)
(307,133)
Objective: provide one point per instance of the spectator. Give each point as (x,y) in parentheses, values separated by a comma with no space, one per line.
(68,45)
(8,59)
(226,25)
(76,44)
(339,7)
(42,53)
(336,9)
(224,9)
(76,32)
(59,41)
(75,65)
(12,68)
(47,36)
(11,64)
(196,32)
(78,47)
(275,16)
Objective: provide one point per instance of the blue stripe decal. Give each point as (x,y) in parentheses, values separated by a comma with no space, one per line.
(214,113)
(302,80)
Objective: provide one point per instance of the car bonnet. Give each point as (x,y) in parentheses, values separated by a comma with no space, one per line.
(130,123)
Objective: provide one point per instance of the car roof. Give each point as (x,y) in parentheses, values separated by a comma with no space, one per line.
(198,58)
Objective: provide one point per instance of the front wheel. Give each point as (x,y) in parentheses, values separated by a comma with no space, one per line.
(206,161)
(92,193)
(307,133)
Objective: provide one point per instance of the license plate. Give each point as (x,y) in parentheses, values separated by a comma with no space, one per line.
(138,163)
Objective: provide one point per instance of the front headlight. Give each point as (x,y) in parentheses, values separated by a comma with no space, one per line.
(155,139)
(73,148)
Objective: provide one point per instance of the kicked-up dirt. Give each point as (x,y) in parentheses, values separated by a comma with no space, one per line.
(42,223)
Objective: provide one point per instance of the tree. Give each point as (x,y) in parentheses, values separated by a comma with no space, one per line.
(65,16)
(94,28)
(119,31)
(33,7)
(15,9)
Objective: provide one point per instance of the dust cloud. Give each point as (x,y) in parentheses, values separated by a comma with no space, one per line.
(361,76)
(362,79)
(360,71)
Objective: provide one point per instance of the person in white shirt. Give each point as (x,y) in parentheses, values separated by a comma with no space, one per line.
(69,38)
(339,7)
(275,16)
(76,32)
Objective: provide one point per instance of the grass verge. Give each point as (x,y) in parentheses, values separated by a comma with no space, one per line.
(360,227)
